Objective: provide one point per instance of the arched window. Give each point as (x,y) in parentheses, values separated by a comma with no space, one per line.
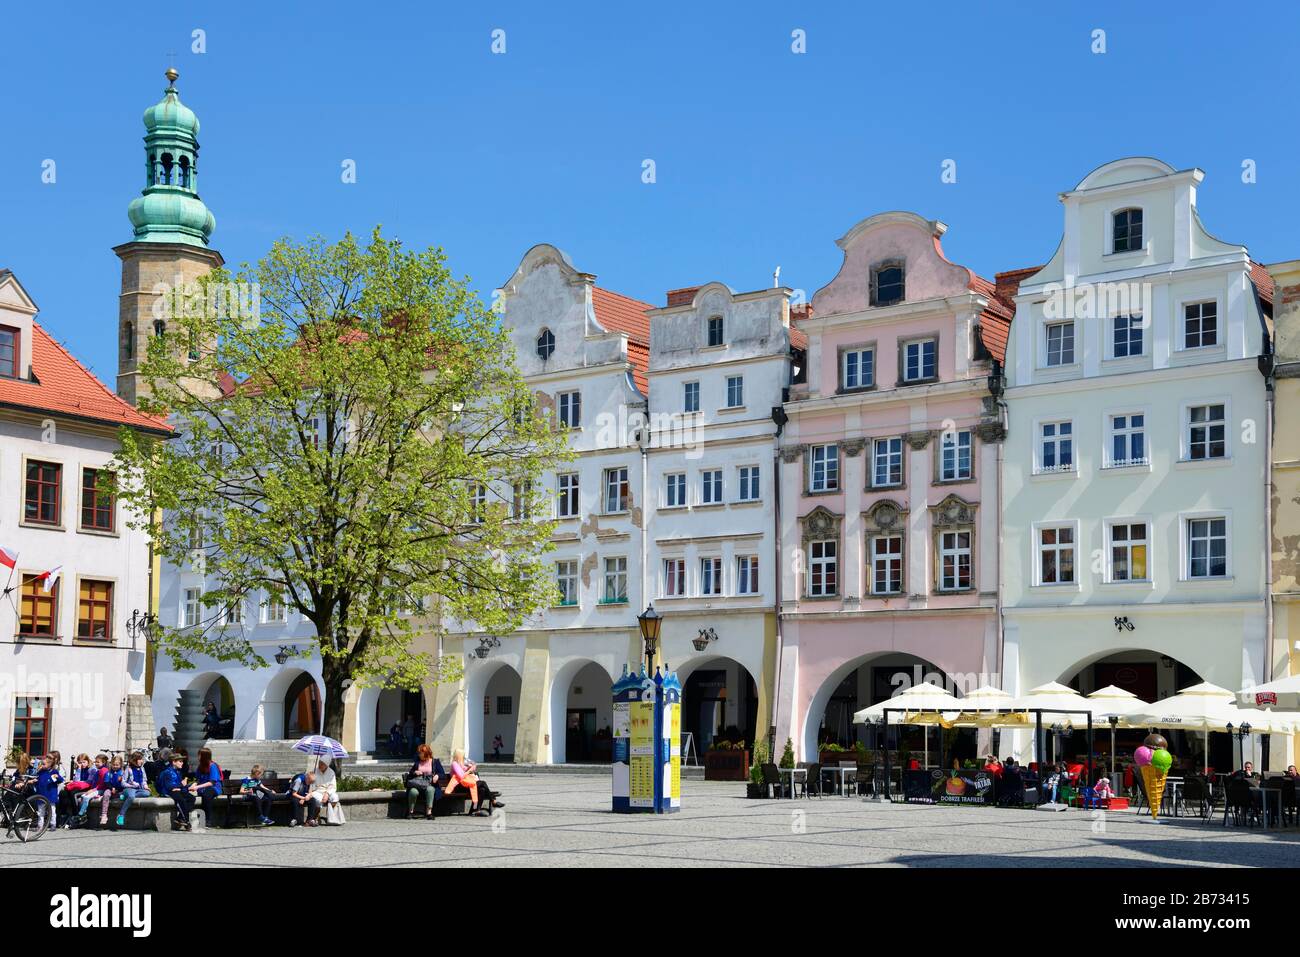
(183,176)
(1126,231)
(165,174)
(159,327)
(888,284)
(545,345)
(128,340)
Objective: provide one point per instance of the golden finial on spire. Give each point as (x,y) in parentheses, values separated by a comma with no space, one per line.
(171,75)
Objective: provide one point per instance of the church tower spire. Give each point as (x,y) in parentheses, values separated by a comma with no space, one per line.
(172,227)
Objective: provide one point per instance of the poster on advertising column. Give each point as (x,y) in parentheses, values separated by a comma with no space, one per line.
(673,743)
(642,720)
(622,783)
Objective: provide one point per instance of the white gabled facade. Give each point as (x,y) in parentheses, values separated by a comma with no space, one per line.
(1135,470)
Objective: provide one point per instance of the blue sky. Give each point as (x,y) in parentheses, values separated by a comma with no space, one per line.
(763,157)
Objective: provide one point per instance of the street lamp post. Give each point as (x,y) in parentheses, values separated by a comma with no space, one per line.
(650,621)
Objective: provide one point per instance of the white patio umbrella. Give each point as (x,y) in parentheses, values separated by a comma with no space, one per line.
(1053,697)
(1113,702)
(1205,708)
(987,707)
(924,704)
(1280,695)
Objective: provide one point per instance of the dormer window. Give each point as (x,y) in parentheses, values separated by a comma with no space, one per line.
(715,330)
(1127,231)
(545,345)
(887,284)
(10,352)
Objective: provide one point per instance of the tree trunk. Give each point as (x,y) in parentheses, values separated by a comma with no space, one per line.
(333,676)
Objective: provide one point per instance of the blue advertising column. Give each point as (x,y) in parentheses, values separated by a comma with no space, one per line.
(647,752)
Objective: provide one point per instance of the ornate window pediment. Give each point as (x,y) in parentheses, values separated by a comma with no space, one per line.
(886,517)
(821,523)
(953,512)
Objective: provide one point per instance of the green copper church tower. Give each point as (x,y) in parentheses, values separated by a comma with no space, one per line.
(172,228)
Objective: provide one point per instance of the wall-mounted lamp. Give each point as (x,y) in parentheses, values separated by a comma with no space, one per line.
(702,640)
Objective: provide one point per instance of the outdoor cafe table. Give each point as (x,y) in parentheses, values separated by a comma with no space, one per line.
(843,770)
(794,773)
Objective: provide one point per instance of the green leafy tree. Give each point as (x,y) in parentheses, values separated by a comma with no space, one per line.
(371,461)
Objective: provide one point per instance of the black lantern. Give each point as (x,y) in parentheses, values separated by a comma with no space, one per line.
(142,625)
(285,653)
(650,621)
(702,640)
(485,646)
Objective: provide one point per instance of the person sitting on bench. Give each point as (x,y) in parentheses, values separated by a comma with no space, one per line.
(423,778)
(306,809)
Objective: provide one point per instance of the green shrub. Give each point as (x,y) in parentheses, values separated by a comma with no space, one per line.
(787,756)
(355,782)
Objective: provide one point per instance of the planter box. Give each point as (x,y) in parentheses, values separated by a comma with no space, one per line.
(726,765)
(753,790)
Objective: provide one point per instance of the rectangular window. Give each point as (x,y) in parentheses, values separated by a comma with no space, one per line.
(32,724)
(273,611)
(1060,343)
(1206,438)
(711,487)
(747,575)
(477,503)
(1207,548)
(615,581)
(748,475)
(711,576)
(95,609)
(1200,324)
(10,347)
(234,613)
(1056,447)
(691,397)
(886,462)
(1128,552)
(824,468)
(675,490)
(521,495)
(1127,337)
(190,607)
(1128,440)
(857,368)
(887,565)
(1127,233)
(735,391)
(39,614)
(566,581)
(570,409)
(41,505)
(98,500)
(715,330)
(674,577)
(955,458)
(823,568)
(617,490)
(954,561)
(919,360)
(505,704)
(566,503)
(1056,555)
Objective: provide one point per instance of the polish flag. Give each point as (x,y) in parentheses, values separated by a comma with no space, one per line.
(47,579)
(8,558)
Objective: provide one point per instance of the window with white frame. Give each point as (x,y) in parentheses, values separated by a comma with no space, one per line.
(748,476)
(955,456)
(273,608)
(954,560)
(615,581)
(888,283)
(1128,552)
(715,330)
(1200,324)
(1206,432)
(1126,337)
(824,468)
(735,391)
(1056,555)
(1126,230)
(690,397)
(887,462)
(857,368)
(570,404)
(617,490)
(919,360)
(566,502)
(674,577)
(1128,440)
(1060,343)
(675,490)
(711,575)
(1056,446)
(190,607)
(477,502)
(566,581)
(1207,547)
(887,564)
(823,568)
(233,613)
(711,487)
(521,500)
(747,575)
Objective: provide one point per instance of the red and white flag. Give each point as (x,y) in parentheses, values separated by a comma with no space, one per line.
(47,579)
(8,557)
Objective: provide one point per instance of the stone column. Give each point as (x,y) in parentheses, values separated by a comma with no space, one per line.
(532,725)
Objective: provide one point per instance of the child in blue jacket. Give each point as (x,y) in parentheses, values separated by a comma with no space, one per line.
(171,784)
(134,785)
(48,779)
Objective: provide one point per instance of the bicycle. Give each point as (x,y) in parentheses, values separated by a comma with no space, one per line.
(25,816)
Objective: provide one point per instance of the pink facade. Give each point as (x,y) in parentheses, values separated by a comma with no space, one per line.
(890,481)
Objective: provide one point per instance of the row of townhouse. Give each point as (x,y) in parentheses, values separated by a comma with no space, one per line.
(1060,474)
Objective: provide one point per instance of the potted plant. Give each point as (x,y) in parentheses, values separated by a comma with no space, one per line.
(756,788)
(726,761)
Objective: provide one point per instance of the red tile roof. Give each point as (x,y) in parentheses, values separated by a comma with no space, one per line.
(799,313)
(995,320)
(619,313)
(680,297)
(64,386)
(1263,281)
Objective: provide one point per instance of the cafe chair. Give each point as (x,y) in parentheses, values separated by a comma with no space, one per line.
(1196,793)
(773,780)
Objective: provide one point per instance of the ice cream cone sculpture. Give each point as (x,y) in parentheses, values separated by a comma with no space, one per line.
(1153,762)
(1153,779)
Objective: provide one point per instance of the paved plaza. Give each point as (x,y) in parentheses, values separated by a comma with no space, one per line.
(564,821)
